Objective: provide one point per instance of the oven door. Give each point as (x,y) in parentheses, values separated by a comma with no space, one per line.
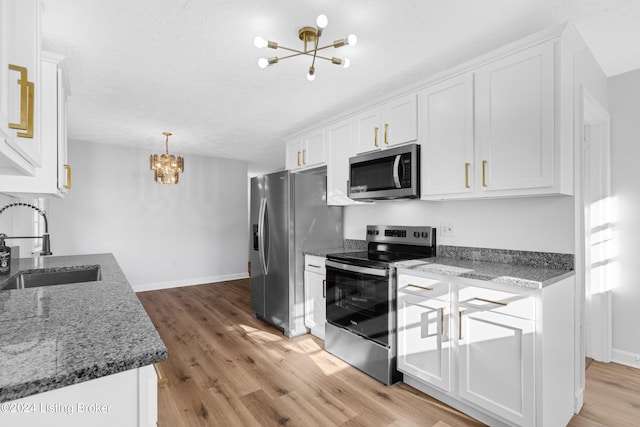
(358,299)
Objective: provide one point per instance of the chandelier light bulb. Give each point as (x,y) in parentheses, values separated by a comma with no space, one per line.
(346,63)
(259,42)
(322,21)
(263,62)
(352,40)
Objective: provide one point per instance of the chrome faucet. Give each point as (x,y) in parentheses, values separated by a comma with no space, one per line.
(46,244)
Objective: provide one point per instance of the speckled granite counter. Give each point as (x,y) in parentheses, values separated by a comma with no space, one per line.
(55,336)
(496,272)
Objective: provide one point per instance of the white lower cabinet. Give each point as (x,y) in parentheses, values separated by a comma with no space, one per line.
(502,354)
(423,332)
(128,398)
(496,363)
(315,294)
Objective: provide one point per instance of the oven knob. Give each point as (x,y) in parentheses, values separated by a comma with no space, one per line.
(416,234)
(377,232)
(425,234)
(369,232)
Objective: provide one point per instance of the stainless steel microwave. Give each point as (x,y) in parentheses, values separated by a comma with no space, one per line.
(387,174)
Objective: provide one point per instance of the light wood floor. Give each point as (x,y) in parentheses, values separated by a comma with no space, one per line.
(226,368)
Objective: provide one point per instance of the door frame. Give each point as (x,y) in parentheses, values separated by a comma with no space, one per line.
(590,115)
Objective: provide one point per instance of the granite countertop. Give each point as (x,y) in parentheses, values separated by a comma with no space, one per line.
(532,277)
(55,336)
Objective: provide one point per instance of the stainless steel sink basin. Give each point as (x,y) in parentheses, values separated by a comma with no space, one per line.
(36,279)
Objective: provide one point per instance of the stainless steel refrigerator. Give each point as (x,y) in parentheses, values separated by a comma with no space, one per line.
(289,214)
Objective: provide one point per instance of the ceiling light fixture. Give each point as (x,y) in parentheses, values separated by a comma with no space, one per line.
(166,167)
(310,37)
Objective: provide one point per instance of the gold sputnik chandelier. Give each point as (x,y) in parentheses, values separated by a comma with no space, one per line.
(166,167)
(310,37)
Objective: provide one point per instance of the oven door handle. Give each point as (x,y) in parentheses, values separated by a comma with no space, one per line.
(382,272)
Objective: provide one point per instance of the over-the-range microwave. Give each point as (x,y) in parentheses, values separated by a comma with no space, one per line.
(393,173)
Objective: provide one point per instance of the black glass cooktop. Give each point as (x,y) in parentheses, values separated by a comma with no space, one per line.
(376,258)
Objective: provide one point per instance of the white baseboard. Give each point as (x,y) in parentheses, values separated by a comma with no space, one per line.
(626,358)
(187,282)
(578,400)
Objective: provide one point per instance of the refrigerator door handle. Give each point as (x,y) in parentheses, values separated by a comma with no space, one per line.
(261,234)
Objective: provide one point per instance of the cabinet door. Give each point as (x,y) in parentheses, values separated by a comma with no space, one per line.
(64,169)
(314,303)
(21,39)
(423,339)
(340,147)
(446,128)
(313,148)
(293,155)
(400,121)
(368,131)
(496,369)
(515,109)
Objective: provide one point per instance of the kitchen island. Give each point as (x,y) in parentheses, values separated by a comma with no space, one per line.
(63,347)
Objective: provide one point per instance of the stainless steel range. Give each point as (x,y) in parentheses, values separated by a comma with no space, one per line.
(361,301)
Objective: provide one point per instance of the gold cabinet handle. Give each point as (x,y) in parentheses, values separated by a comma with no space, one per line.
(375,136)
(442,320)
(484,173)
(26,104)
(503,304)
(304,157)
(386,126)
(460,326)
(299,159)
(466,175)
(324,288)
(419,287)
(68,184)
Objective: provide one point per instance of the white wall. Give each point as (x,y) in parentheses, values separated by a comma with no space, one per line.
(533,224)
(114,206)
(624,107)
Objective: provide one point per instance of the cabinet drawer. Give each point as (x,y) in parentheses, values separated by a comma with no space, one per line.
(423,287)
(481,299)
(314,264)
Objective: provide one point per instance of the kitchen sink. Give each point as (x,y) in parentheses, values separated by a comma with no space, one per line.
(34,279)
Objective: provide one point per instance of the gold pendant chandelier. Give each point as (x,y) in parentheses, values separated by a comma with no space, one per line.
(166,167)
(310,37)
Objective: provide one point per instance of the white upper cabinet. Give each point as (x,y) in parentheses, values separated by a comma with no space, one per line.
(447,136)
(494,131)
(515,111)
(20,141)
(340,148)
(307,151)
(53,176)
(393,123)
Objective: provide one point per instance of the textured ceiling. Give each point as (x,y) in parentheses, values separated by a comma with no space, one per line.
(139,67)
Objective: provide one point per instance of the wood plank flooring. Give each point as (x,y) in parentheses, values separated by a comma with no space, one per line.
(226,368)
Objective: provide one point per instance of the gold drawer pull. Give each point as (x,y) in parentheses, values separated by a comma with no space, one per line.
(386,127)
(304,157)
(375,136)
(299,159)
(504,304)
(26,104)
(313,265)
(419,287)
(68,184)
(324,288)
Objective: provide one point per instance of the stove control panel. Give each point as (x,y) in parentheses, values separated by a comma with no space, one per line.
(410,235)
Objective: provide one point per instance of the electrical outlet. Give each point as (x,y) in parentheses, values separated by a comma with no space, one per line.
(447,228)
(173,263)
